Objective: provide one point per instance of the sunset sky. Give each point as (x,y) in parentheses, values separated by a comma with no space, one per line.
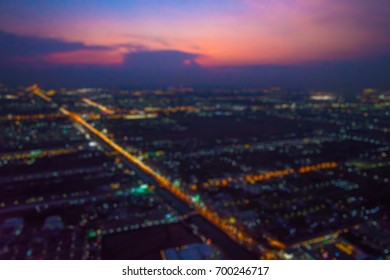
(297,43)
(219,32)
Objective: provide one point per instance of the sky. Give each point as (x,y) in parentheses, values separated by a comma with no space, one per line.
(213,35)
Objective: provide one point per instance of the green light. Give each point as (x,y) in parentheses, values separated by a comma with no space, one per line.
(91,233)
(35,153)
(176,183)
(196,198)
(142,189)
(169,216)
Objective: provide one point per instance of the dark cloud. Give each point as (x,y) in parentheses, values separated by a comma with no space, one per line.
(12,45)
(140,69)
(146,68)
(162,68)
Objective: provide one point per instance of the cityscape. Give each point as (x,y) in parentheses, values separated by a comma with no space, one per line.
(195,130)
(185,173)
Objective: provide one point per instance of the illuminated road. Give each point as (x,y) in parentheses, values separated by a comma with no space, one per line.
(37,154)
(161,180)
(228,228)
(37,91)
(252,178)
(31,117)
(231,231)
(97,105)
(222,230)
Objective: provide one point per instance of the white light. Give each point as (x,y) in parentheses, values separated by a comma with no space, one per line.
(92,144)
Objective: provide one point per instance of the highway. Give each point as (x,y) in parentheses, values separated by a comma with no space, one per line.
(180,198)
(97,105)
(245,247)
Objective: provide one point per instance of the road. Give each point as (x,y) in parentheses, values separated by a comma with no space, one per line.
(238,239)
(239,243)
